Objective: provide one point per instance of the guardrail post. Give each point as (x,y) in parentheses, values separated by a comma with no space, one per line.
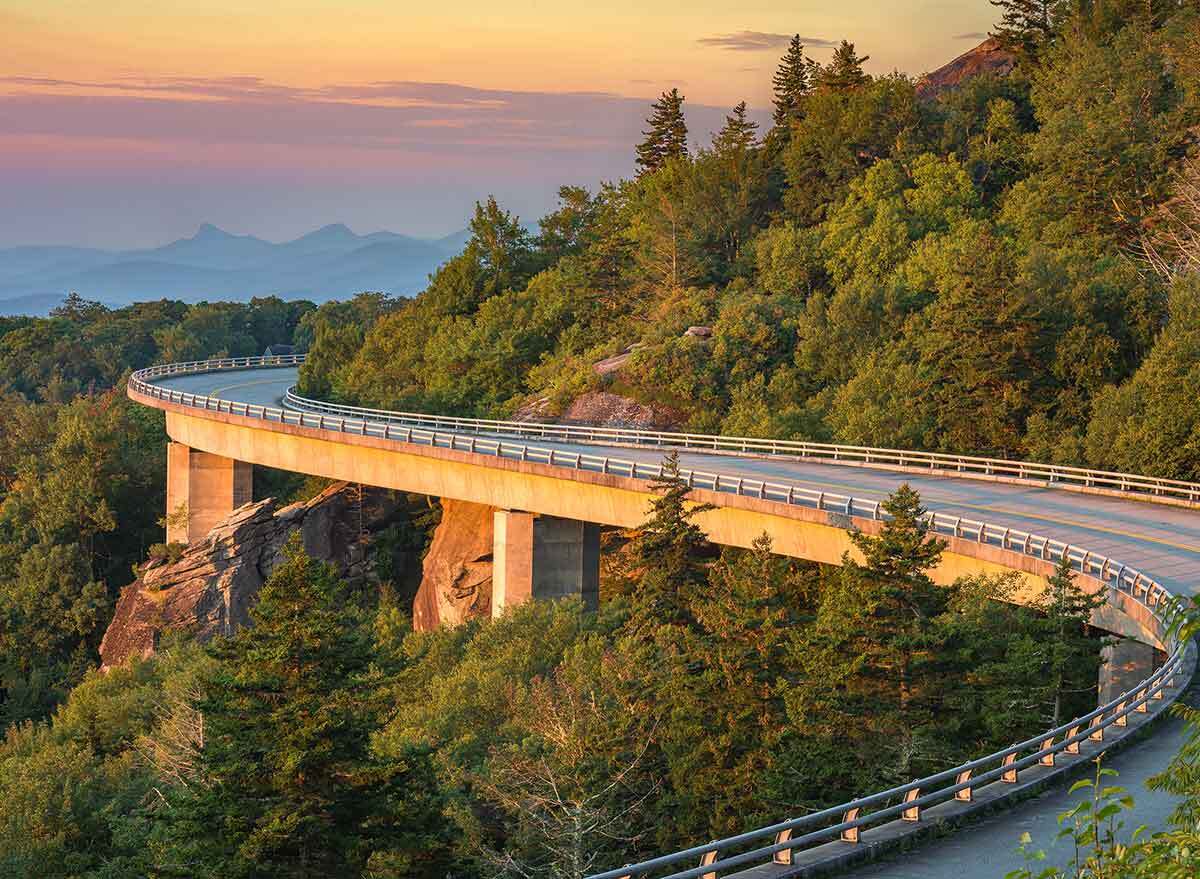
(1143,706)
(963,794)
(1009,776)
(1122,717)
(1073,747)
(1046,759)
(913,813)
(850,834)
(1097,733)
(708,859)
(784,855)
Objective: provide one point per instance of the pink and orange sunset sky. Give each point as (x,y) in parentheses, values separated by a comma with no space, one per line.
(127,123)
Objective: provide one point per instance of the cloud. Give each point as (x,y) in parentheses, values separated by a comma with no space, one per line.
(971,35)
(415,150)
(247,113)
(758,41)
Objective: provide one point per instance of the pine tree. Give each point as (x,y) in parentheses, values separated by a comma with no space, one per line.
(667,137)
(844,71)
(666,556)
(792,82)
(1072,657)
(289,786)
(880,619)
(1026,25)
(903,552)
(730,665)
(739,133)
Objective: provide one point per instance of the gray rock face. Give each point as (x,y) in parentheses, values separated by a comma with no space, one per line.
(210,589)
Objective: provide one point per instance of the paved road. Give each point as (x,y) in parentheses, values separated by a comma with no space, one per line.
(1162,541)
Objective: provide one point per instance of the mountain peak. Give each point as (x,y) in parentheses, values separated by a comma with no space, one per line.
(330,232)
(209,232)
(990,56)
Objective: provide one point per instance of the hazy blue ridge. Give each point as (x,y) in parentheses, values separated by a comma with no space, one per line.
(332,262)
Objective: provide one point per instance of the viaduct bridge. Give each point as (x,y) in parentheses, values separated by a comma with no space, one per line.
(1135,539)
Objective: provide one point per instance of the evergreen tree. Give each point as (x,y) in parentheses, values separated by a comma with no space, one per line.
(844,72)
(732,664)
(1071,655)
(791,83)
(289,785)
(666,557)
(879,625)
(667,136)
(1026,25)
(738,134)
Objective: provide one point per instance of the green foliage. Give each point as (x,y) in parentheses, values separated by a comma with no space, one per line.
(665,556)
(792,82)
(843,131)
(1149,424)
(288,785)
(667,138)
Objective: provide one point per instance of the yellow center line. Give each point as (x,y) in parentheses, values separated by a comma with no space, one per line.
(216,391)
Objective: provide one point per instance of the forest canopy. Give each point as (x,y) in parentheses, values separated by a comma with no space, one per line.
(1007,267)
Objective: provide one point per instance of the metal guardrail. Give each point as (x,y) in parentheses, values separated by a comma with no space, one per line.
(935,462)
(905,800)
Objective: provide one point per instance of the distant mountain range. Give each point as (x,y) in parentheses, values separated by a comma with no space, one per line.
(330,263)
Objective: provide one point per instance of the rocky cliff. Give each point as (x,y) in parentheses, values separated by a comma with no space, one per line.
(988,57)
(456,576)
(210,586)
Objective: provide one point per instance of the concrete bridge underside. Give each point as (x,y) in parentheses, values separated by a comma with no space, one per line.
(546,534)
(227,443)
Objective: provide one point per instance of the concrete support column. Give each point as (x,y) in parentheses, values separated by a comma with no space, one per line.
(1126,664)
(202,489)
(537,557)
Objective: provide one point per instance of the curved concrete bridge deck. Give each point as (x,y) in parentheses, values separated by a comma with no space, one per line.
(1161,540)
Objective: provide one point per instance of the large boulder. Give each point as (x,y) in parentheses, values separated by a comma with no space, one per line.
(456,579)
(210,587)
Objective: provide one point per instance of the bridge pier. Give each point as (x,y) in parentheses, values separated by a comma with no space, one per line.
(1126,663)
(538,557)
(202,489)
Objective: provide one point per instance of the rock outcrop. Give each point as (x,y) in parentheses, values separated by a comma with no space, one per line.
(604,409)
(210,587)
(456,580)
(988,57)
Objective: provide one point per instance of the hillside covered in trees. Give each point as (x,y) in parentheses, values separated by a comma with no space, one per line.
(991,272)
(1005,267)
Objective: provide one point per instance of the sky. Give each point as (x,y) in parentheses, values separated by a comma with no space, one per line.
(128,123)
